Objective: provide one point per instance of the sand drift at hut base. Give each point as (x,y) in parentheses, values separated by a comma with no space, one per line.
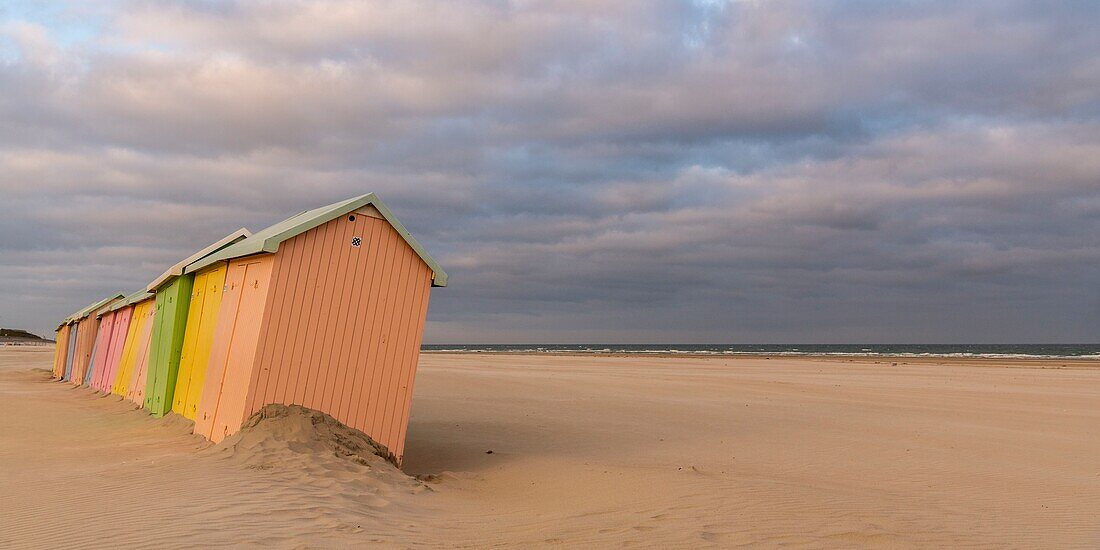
(303,431)
(587,452)
(101,480)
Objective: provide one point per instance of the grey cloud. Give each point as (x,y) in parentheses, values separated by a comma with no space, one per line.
(691,171)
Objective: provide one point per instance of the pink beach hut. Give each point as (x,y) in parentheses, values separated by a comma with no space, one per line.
(100,348)
(108,330)
(114,353)
(122,311)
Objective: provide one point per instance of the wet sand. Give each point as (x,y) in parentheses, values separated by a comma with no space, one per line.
(587,451)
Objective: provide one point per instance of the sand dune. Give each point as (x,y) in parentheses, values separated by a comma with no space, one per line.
(586,451)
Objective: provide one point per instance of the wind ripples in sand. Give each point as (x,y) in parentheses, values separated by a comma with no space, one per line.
(585,452)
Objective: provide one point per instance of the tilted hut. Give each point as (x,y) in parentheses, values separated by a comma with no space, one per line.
(202,317)
(61,351)
(173,290)
(102,349)
(81,339)
(325,309)
(136,342)
(121,312)
(88,336)
(71,351)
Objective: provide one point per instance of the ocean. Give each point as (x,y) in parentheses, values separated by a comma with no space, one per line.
(1018,351)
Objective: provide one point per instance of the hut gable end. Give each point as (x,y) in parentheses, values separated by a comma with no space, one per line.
(342,332)
(271,238)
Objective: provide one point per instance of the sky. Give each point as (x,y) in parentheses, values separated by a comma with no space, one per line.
(586,171)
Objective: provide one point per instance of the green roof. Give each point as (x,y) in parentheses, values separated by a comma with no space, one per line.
(132,299)
(88,310)
(268,240)
(177,270)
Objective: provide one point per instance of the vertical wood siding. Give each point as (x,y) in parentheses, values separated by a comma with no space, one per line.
(202,316)
(130,348)
(343,327)
(233,350)
(71,352)
(173,302)
(91,361)
(61,352)
(136,388)
(102,349)
(78,350)
(85,339)
(118,341)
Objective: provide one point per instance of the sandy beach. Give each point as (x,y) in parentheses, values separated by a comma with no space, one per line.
(586,451)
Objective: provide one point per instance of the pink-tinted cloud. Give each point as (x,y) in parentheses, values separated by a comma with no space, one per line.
(693,171)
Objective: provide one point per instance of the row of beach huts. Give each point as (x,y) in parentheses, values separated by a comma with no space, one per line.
(325,309)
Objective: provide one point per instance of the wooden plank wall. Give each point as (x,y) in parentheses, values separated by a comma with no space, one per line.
(71,352)
(202,315)
(118,341)
(146,320)
(173,304)
(343,327)
(130,348)
(61,352)
(101,348)
(233,350)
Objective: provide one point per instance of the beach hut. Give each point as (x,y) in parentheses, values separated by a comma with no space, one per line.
(71,350)
(100,366)
(91,362)
(136,345)
(61,351)
(202,317)
(173,298)
(82,329)
(87,326)
(102,348)
(122,311)
(76,339)
(326,310)
(102,338)
(139,376)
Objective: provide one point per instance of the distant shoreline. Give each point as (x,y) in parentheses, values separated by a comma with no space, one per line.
(889,351)
(20,337)
(1020,360)
(891,360)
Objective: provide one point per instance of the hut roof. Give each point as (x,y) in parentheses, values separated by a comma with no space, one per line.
(131,299)
(82,313)
(268,240)
(177,270)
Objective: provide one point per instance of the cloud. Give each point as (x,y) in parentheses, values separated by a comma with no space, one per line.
(692,171)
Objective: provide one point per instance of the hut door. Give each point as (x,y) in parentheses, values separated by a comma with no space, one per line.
(246,287)
(71,351)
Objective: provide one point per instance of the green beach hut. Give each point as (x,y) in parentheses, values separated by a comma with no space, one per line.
(173,289)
